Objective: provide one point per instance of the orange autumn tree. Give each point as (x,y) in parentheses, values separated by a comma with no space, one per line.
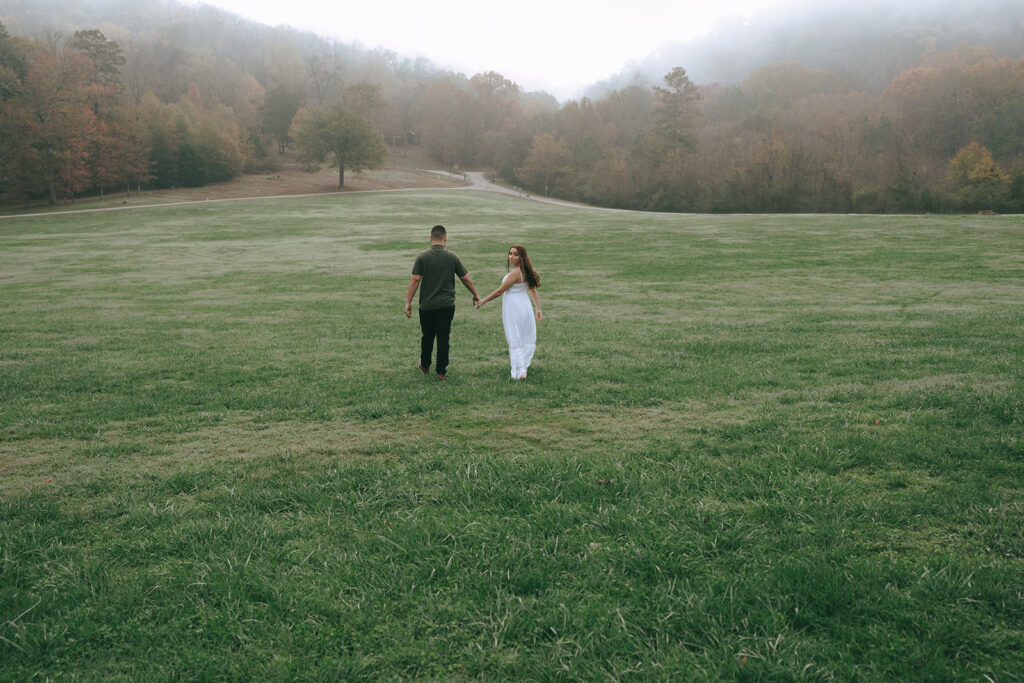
(59,121)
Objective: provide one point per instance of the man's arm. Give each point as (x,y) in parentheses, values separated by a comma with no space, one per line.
(414,284)
(466,280)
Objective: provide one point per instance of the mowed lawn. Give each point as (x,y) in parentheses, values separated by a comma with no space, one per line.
(750,447)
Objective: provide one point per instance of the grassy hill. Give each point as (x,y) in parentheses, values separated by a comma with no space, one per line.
(750,446)
(284,175)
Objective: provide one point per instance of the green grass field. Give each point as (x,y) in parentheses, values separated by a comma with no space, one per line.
(750,447)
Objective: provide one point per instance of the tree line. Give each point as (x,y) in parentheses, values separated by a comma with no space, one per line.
(945,135)
(209,96)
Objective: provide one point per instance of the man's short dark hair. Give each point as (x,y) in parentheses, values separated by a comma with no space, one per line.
(438,232)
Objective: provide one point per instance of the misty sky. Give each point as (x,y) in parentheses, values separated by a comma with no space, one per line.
(560,46)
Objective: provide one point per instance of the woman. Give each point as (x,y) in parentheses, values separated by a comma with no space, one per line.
(516,290)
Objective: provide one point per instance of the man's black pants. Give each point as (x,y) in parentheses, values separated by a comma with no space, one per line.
(436,323)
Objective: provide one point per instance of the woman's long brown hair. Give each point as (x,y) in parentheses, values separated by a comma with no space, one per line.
(532,279)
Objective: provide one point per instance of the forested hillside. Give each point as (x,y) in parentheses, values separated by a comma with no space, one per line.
(911,114)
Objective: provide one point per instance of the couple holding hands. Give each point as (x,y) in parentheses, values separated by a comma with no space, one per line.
(434,274)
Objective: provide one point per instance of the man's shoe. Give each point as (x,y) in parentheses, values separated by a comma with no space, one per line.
(441,376)
(422,369)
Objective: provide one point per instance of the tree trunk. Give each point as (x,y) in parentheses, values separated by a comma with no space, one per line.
(53,192)
(341,175)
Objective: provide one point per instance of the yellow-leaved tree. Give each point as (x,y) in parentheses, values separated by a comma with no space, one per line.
(976,179)
(974,164)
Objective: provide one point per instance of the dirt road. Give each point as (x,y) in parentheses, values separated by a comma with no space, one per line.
(477,180)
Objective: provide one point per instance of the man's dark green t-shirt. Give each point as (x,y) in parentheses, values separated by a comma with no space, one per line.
(437,268)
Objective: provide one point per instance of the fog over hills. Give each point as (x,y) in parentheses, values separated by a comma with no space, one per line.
(866,44)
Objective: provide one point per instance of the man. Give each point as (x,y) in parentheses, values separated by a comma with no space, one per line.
(435,269)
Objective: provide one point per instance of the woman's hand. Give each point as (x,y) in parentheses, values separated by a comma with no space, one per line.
(540,316)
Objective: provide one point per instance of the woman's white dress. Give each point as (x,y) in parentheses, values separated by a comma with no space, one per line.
(520,327)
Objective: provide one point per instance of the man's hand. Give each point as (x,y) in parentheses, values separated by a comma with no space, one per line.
(414,284)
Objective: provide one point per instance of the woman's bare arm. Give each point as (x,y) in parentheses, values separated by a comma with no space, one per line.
(505,284)
(536,303)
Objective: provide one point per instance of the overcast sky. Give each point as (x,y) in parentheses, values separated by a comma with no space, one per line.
(560,46)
